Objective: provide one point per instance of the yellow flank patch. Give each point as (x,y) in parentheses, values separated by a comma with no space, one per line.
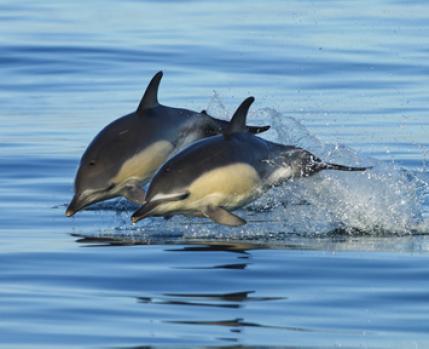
(143,164)
(227,186)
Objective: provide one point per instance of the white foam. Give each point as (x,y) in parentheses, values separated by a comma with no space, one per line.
(385,199)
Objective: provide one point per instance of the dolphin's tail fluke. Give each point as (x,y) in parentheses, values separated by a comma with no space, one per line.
(223,125)
(330,166)
(305,164)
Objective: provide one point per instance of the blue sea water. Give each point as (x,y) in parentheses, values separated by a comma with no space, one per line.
(336,260)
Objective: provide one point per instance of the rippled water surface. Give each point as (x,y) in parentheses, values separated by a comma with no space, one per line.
(336,260)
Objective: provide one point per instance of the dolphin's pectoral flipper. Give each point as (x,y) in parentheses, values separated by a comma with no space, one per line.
(135,194)
(222,216)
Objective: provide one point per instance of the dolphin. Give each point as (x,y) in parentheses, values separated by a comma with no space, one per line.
(130,149)
(217,175)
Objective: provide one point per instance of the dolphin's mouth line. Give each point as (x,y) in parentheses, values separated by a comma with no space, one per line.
(147,208)
(110,192)
(79,204)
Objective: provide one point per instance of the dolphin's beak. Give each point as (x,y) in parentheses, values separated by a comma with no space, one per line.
(143,212)
(149,207)
(69,212)
(75,205)
(81,201)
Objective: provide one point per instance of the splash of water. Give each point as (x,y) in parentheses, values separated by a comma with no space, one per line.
(384,200)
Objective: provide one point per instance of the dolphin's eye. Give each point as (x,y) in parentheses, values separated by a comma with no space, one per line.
(111,186)
(92,163)
(212,131)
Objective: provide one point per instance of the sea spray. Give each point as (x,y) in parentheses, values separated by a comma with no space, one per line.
(385,199)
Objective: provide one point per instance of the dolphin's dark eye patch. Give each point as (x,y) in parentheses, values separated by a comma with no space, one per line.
(111,186)
(212,132)
(92,163)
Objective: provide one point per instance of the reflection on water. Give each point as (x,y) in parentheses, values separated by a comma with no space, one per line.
(244,296)
(235,299)
(238,266)
(212,246)
(194,299)
(337,241)
(237,323)
(187,303)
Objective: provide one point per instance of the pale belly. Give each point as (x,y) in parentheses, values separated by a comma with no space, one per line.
(143,164)
(231,187)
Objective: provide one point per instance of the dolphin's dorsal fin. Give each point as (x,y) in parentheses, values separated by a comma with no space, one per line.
(150,97)
(238,121)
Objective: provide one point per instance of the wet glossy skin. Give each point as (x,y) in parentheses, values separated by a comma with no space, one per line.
(130,149)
